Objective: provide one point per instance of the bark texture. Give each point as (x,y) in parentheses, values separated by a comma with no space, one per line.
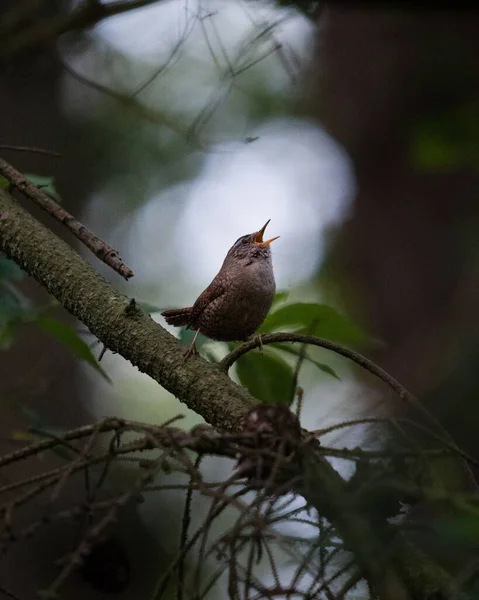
(118,324)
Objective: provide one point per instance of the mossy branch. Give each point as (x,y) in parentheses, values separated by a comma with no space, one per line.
(121,326)
(115,320)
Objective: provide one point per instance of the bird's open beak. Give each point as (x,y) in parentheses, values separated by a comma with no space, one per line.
(259,236)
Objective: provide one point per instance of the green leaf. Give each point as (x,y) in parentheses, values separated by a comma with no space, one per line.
(68,336)
(5,183)
(46,184)
(296,351)
(267,376)
(280,297)
(328,323)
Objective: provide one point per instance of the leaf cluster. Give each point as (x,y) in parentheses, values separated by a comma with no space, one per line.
(16,309)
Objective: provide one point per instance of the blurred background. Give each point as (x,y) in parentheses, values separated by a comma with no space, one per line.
(185,124)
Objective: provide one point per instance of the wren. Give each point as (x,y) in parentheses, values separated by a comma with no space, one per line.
(238,299)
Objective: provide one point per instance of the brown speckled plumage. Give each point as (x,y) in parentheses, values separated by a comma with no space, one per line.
(238,299)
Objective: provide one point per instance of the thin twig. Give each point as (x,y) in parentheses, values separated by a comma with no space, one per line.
(353,581)
(83,15)
(219,508)
(127,100)
(256,521)
(297,369)
(359,359)
(31,149)
(102,353)
(171,59)
(362,361)
(100,249)
(7,593)
(82,456)
(394,422)
(185,523)
(201,439)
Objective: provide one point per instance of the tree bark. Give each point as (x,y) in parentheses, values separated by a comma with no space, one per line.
(120,325)
(126,329)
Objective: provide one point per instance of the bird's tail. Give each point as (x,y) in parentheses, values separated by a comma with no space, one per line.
(177,317)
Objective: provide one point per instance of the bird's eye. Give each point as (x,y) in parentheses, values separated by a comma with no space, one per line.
(244,240)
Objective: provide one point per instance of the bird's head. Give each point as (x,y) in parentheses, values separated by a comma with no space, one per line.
(251,246)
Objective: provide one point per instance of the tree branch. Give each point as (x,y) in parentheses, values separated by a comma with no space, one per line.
(308,475)
(30,149)
(129,101)
(359,359)
(83,16)
(362,361)
(124,328)
(100,249)
(117,323)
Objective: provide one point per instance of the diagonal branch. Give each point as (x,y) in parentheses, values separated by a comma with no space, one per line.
(100,249)
(121,326)
(118,323)
(30,149)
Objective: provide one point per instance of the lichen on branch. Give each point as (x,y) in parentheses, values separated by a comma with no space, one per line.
(131,333)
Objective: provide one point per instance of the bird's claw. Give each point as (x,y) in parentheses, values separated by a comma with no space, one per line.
(258,340)
(191,351)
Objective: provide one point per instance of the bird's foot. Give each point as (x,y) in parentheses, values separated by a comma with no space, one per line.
(258,340)
(191,351)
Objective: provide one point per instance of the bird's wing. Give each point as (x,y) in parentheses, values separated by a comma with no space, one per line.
(216,289)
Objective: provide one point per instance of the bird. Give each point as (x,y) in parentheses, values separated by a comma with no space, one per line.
(238,299)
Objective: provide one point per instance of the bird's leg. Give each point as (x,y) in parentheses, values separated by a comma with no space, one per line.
(260,340)
(257,338)
(192,351)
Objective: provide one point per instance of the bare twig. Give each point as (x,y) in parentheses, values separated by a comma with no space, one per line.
(172,58)
(133,334)
(253,535)
(395,422)
(184,534)
(100,249)
(297,369)
(359,359)
(127,100)
(82,16)
(362,361)
(30,149)
(168,436)
(102,353)
(124,329)
(8,594)
(83,456)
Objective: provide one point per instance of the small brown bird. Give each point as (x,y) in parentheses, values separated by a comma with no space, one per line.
(238,299)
